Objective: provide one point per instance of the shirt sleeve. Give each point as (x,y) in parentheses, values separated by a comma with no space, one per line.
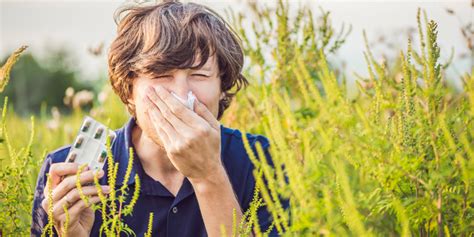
(39,215)
(265,217)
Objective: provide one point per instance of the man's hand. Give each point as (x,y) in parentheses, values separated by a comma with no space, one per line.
(193,144)
(64,192)
(191,139)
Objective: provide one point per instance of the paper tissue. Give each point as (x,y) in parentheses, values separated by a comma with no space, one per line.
(189,102)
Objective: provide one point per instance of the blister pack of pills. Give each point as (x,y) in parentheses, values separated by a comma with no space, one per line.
(89,147)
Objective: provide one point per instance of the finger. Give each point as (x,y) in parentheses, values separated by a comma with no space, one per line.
(74,196)
(69,183)
(75,210)
(160,122)
(202,111)
(45,204)
(160,132)
(178,109)
(169,112)
(45,201)
(58,170)
(165,130)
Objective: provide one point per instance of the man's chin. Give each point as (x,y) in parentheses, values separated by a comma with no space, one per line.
(151,134)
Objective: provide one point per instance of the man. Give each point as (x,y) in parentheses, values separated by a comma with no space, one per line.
(194,172)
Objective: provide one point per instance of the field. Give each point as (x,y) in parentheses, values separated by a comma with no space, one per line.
(397,159)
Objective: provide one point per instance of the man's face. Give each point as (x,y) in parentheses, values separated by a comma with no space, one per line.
(203,82)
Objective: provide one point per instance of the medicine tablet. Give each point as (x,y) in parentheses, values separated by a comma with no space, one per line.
(90,144)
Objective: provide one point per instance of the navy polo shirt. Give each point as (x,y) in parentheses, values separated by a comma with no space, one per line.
(173,216)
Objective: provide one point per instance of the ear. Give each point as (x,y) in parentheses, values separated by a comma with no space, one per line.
(222,96)
(131,102)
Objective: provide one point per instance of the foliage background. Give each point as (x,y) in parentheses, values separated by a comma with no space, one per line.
(396,159)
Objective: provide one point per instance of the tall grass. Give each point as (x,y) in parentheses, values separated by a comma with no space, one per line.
(396,160)
(16,189)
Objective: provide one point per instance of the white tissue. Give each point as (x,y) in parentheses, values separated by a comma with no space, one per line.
(189,102)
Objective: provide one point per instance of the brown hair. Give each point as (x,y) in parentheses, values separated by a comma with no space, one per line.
(152,39)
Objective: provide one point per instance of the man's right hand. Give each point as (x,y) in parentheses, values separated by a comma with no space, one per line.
(64,192)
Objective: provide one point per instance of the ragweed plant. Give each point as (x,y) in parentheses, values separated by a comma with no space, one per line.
(66,223)
(249,221)
(396,160)
(114,206)
(274,34)
(150,225)
(48,229)
(6,68)
(16,164)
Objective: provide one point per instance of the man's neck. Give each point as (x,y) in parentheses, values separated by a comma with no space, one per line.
(155,161)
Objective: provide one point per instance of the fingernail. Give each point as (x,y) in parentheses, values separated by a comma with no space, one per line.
(106,189)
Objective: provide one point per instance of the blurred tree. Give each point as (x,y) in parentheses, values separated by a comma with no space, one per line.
(34,81)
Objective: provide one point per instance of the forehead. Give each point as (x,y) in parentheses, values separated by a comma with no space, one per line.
(210,65)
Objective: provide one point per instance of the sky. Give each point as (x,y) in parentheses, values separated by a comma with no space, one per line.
(79,25)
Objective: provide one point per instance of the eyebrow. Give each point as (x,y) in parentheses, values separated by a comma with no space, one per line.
(204,69)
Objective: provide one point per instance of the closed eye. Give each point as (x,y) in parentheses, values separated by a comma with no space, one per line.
(200,75)
(163,76)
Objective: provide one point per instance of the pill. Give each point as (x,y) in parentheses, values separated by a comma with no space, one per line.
(86,126)
(79,142)
(72,157)
(98,133)
(103,155)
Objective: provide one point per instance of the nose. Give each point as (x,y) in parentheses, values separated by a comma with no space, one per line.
(181,86)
